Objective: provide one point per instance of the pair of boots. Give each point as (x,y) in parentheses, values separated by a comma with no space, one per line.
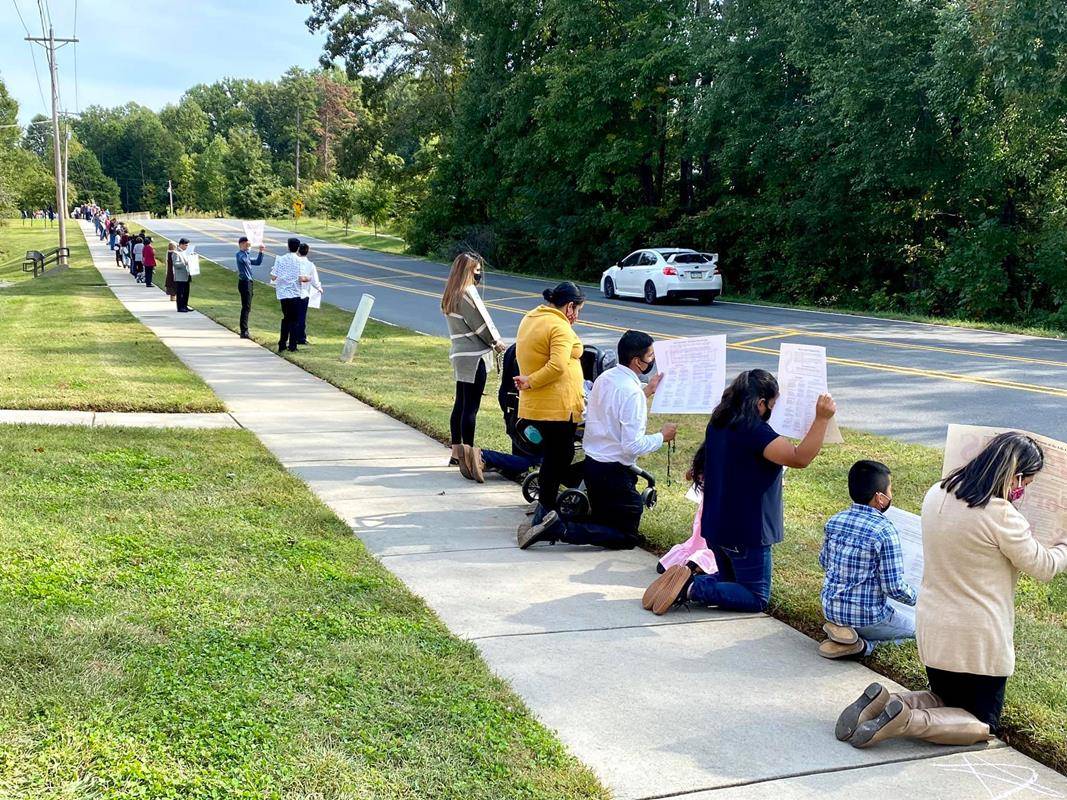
(469,461)
(878,715)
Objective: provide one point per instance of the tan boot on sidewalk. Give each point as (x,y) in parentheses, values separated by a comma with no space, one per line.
(866,707)
(459,452)
(938,725)
(474,463)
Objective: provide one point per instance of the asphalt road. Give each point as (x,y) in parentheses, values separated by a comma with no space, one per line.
(903,379)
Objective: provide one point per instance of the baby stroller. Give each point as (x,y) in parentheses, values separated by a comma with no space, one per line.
(573,502)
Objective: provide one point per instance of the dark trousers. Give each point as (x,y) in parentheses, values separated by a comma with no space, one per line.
(465,407)
(557,454)
(615,508)
(743,582)
(290,322)
(181,291)
(981,695)
(148,271)
(244,288)
(302,323)
(511,465)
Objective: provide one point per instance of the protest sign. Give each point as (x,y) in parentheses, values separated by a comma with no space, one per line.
(801,379)
(694,375)
(254,232)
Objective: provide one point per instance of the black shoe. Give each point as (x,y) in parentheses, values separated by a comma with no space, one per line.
(245,335)
(306,343)
(281,349)
(541,532)
(293,350)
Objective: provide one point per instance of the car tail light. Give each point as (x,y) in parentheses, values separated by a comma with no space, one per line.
(670,271)
(717,272)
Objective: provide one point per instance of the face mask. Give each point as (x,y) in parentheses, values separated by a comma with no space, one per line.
(766,415)
(1016,493)
(477,278)
(649,367)
(888,502)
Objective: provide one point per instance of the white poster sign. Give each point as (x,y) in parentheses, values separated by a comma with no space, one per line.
(909,526)
(801,379)
(315,298)
(694,375)
(194,263)
(254,232)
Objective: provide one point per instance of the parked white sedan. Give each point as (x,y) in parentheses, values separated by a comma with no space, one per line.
(662,272)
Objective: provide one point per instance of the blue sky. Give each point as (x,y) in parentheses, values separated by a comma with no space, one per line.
(185,42)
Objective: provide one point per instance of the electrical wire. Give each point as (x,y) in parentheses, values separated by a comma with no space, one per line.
(33,53)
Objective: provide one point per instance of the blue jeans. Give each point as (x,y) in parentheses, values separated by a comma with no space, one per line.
(894,628)
(743,582)
(510,466)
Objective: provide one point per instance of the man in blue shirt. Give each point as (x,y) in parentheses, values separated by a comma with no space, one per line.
(864,569)
(245,279)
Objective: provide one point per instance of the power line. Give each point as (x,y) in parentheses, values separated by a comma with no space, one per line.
(33,54)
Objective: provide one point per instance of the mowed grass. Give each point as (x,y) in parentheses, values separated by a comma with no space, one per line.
(70,344)
(181,618)
(332,231)
(407,375)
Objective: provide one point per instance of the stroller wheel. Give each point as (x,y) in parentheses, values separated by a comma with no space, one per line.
(531,486)
(649,497)
(573,504)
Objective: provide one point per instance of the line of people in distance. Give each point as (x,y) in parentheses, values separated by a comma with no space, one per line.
(975,541)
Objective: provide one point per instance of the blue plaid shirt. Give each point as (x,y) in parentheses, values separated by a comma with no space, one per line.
(864,567)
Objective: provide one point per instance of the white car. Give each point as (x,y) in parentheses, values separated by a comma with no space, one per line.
(661,272)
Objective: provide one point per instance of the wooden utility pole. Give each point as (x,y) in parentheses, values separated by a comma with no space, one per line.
(49,45)
(298,149)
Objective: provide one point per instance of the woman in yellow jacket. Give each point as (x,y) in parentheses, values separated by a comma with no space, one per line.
(550,380)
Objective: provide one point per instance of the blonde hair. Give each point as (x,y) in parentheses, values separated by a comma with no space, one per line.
(170,247)
(992,472)
(459,278)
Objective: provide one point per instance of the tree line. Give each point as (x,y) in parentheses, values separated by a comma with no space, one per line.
(889,155)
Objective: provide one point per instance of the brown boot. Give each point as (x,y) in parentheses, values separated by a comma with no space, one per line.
(866,707)
(667,590)
(474,463)
(464,460)
(937,725)
(919,700)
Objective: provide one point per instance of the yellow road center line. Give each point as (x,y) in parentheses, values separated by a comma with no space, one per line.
(766,338)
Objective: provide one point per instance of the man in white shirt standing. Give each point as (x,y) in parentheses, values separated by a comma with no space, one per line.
(287,279)
(615,438)
(307,269)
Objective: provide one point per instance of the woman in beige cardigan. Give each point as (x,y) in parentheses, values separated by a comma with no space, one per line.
(975,544)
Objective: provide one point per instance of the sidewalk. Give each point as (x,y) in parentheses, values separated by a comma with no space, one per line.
(704,705)
(109,419)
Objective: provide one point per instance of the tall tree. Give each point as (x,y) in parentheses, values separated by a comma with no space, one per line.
(250,182)
(211,181)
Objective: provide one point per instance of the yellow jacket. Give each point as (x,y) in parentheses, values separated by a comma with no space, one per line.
(549,352)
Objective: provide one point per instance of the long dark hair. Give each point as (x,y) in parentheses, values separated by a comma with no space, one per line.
(740,402)
(697,470)
(992,472)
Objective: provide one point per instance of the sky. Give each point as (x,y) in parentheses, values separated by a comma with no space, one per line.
(150,51)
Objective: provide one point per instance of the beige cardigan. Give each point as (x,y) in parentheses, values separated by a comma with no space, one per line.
(965,618)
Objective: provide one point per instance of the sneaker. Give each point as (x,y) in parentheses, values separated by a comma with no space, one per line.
(842,634)
(866,707)
(541,532)
(668,590)
(832,649)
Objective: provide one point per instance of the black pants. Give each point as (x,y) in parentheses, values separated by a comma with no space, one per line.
(181,290)
(148,275)
(465,408)
(615,508)
(982,695)
(290,323)
(244,288)
(302,324)
(558,453)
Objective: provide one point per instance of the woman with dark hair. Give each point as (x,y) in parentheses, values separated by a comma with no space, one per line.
(975,544)
(549,353)
(743,513)
(473,340)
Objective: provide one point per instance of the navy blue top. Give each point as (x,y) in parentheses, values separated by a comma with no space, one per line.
(245,263)
(742,489)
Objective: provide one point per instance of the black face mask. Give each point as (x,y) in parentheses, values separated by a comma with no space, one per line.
(766,415)
(477,278)
(649,367)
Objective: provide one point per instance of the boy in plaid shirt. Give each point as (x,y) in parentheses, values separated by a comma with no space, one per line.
(864,569)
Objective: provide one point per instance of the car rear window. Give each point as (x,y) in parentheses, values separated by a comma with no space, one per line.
(689,258)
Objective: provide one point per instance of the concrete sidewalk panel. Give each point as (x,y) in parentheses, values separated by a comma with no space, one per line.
(31,416)
(992,774)
(389,478)
(675,708)
(546,588)
(290,447)
(147,420)
(350,417)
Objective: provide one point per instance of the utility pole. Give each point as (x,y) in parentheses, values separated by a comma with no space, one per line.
(170,194)
(49,45)
(66,162)
(298,149)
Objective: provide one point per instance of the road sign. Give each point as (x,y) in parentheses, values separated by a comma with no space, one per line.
(298,208)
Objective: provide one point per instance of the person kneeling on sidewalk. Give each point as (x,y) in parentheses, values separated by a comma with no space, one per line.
(614,439)
(864,569)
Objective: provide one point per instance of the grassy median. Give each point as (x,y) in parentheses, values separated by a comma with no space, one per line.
(181,618)
(69,344)
(408,375)
(331,231)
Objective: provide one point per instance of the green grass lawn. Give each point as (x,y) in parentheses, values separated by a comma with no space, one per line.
(181,618)
(331,231)
(408,376)
(69,344)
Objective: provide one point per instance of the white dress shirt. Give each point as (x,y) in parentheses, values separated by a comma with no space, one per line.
(307,270)
(615,419)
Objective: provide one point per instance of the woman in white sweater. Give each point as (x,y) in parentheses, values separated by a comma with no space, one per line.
(975,544)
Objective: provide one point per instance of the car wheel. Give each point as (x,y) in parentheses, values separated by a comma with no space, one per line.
(706,298)
(650,293)
(609,288)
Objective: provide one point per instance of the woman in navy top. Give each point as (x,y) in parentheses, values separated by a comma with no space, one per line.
(743,512)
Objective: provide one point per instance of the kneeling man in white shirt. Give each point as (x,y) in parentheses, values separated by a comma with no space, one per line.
(615,420)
